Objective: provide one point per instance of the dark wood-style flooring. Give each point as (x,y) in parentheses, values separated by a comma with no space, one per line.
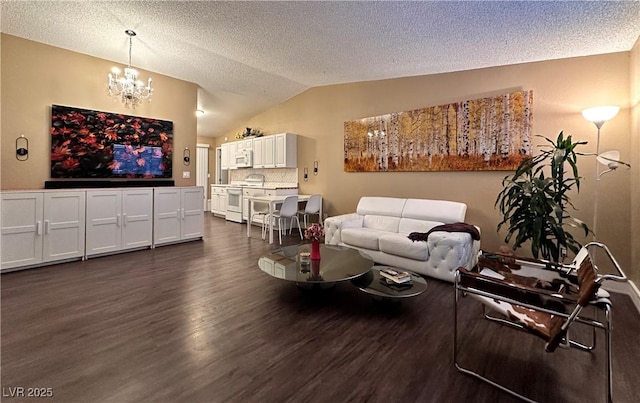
(199,322)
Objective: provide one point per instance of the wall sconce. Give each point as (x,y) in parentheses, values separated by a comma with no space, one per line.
(315,168)
(22,148)
(186,156)
(306,174)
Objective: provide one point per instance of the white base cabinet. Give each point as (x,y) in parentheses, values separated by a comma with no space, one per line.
(119,220)
(218,200)
(41,227)
(177,214)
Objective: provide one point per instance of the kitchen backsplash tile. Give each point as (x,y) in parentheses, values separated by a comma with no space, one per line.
(278,175)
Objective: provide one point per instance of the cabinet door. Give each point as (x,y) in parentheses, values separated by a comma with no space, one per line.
(21,229)
(269,152)
(166,215)
(245,145)
(223,202)
(215,203)
(286,150)
(233,150)
(137,220)
(104,215)
(280,147)
(214,200)
(192,225)
(258,152)
(224,157)
(64,225)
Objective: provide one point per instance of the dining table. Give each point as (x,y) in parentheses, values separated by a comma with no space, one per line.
(273,202)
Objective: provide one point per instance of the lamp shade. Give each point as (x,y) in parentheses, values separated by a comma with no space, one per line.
(609,158)
(600,113)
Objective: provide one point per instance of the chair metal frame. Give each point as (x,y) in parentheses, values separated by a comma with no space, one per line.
(475,284)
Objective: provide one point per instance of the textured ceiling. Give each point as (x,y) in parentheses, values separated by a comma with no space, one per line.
(249,56)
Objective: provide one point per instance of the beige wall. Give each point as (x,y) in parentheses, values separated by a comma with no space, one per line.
(562,88)
(634,73)
(35,76)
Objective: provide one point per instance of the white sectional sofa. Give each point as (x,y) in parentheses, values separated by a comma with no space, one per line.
(381,225)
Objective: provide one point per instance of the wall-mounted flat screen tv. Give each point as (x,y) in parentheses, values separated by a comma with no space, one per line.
(93,144)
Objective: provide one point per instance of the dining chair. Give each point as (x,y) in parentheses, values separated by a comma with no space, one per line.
(313,207)
(288,210)
(541,298)
(260,209)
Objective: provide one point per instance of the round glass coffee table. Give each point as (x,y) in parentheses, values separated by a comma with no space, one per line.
(337,263)
(373,283)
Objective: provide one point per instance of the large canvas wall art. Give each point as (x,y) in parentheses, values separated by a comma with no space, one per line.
(93,144)
(491,133)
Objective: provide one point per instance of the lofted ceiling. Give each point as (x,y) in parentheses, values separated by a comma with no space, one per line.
(249,56)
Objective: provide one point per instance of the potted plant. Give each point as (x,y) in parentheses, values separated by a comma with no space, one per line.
(535,201)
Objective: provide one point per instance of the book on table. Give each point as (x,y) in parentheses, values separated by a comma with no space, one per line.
(396,276)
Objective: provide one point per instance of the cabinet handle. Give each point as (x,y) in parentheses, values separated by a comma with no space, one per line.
(46,227)
(124,219)
(38,227)
(117,220)
(182,213)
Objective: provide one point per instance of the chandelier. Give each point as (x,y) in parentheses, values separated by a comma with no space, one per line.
(131,90)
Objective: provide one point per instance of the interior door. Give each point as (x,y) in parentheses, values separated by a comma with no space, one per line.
(202,171)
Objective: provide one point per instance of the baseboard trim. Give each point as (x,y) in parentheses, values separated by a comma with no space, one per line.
(628,288)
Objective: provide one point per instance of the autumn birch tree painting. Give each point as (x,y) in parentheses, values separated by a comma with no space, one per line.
(491,133)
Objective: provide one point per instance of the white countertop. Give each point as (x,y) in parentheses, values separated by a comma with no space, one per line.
(267,185)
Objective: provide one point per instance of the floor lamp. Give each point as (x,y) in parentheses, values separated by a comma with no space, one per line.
(599,115)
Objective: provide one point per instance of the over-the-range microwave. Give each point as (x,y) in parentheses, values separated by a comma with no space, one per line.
(244,159)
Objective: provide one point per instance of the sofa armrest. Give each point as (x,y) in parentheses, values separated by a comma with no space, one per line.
(333,226)
(453,249)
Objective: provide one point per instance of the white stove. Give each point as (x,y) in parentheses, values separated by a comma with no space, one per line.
(235,203)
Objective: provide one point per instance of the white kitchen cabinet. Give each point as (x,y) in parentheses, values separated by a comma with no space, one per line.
(219,200)
(232,149)
(224,157)
(42,227)
(177,214)
(246,144)
(264,152)
(258,152)
(286,150)
(269,153)
(118,220)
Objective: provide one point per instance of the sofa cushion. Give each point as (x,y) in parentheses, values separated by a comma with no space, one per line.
(409,225)
(362,237)
(400,245)
(434,210)
(387,206)
(381,222)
